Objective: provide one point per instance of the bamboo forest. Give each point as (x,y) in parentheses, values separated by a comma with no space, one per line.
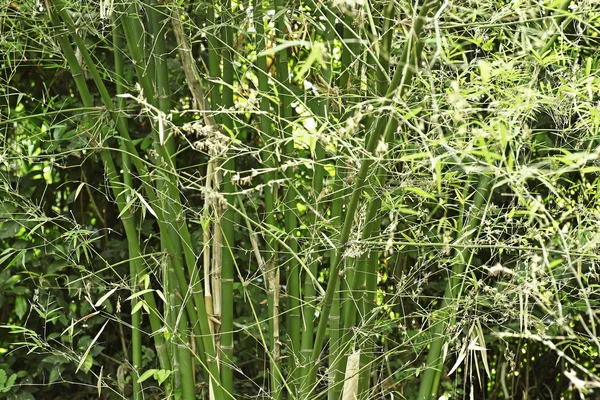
(300,199)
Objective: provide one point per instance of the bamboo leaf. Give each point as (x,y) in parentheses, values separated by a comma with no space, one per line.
(126,207)
(162,296)
(138,294)
(459,359)
(145,203)
(81,185)
(481,338)
(421,192)
(103,298)
(99,384)
(283,46)
(87,352)
(137,307)
(85,318)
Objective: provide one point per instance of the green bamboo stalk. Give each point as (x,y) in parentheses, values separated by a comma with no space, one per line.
(309,291)
(175,220)
(356,279)
(116,185)
(350,50)
(270,162)
(134,35)
(289,201)
(429,383)
(168,222)
(320,108)
(367,356)
(182,340)
(158,55)
(136,334)
(172,211)
(368,271)
(228,261)
(402,77)
(214,59)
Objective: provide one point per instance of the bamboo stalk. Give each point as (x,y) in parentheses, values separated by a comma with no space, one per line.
(270,160)
(347,82)
(184,377)
(208,298)
(289,201)
(368,267)
(429,383)
(309,292)
(214,60)
(216,265)
(228,167)
(319,104)
(367,356)
(136,334)
(173,220)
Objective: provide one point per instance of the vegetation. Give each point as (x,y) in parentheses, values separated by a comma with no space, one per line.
(299,200)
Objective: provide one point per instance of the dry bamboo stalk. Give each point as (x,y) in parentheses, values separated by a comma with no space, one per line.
(208,300)
(350,391)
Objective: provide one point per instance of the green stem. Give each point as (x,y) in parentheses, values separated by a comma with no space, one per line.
(289,201)
(229,190)
(367,356)
(270,162)
(136,334)
(214,60)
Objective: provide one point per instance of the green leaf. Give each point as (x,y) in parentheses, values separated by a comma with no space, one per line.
(87,359)
(290,43)
(405,210)
(162,375)
(485,69)
(9,229)
(106,296)
(8,384)
(147,375)
(145,203)
(137,307)
(20,306)
(7,209)
(54,375)
(420,192)
(138,294)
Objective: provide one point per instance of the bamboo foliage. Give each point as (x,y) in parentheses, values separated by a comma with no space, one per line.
(303,124)
(218,290)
